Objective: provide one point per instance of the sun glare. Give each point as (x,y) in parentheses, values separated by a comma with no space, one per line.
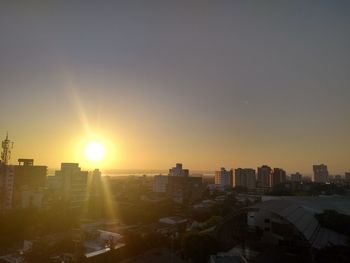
(95,151)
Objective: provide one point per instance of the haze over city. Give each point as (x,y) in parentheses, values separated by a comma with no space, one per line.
(174,131)
(231,84)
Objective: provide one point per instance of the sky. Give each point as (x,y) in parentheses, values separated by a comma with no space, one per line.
(205,83)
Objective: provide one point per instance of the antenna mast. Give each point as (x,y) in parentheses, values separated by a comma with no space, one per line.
(6,146)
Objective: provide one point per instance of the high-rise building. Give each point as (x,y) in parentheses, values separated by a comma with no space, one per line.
(95,184)
(320,173)
(17,179)
(224,177)
(178,171)
(278,176)
(245,177)
(297,177)
(264,176)
(178,185)
(73,184)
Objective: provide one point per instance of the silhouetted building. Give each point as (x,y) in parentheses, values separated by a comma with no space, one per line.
(264,176)
(297,177)
(245,177)
(16,179)
(347,177)
(178,171)
(95,183)
(72,183)
(278,177)
(224,177)
(337,179)
(181,188)
(320,173)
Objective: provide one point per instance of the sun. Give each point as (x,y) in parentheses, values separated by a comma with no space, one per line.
(95,151)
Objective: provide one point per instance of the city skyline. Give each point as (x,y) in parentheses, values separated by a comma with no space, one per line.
(211,85)
(10,143)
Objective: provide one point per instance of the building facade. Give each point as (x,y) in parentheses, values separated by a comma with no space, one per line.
(347,177)
(245,177)
(279,176)
(18,180)
(264,176)
(224,177)
(297,177)
(320,173)
(72,183)
(160,183)
(178,171)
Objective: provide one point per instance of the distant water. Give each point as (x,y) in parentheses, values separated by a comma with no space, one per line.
(151,173)
(115,172)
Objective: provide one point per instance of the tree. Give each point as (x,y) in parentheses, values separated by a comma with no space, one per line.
(198,248)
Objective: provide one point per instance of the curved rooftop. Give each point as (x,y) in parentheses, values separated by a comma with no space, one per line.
(300,211)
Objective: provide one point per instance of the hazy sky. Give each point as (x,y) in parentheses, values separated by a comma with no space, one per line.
(206,83)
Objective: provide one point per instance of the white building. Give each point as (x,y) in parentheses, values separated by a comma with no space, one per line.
(224,177)
(160,183)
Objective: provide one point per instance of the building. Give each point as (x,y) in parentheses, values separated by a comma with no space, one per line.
(95,183)
(178,185)
(227,257)
(182,189)
(287,223)
(320,173)
(178,171)
(32,198)
(224,177)
(15,180)
(160,183)
(347,177)
(72,183)
(297,177)
(264,176)
(245,177)
(279,176)
(291,221)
